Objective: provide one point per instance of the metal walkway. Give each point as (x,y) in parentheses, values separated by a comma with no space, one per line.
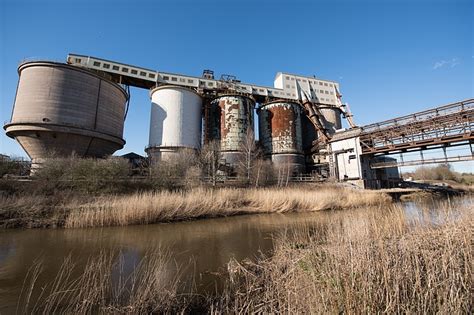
(448,125)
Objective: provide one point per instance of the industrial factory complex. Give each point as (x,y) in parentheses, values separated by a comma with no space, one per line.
(80,107)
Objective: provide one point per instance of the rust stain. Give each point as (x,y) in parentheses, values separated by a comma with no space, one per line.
(281,128)
(232,116)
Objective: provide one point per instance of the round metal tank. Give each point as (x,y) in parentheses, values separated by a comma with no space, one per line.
(230,118)
(62,110)
(280,131)
(175,122)
(332,117)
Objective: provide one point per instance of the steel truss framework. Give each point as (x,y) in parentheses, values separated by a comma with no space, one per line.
(445,125)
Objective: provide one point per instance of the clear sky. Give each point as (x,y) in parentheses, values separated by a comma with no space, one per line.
(390,57)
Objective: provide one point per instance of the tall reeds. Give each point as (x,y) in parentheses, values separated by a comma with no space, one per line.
(362,262)
(103,287)
(378,260)
(152,207)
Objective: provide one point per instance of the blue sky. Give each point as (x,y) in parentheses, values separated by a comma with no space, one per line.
(390,57)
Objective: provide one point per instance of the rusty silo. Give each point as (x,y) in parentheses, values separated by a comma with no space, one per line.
(228,119)
(280,131)
(61,109)
(175,122)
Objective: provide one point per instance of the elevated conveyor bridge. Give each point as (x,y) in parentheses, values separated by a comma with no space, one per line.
(438,128)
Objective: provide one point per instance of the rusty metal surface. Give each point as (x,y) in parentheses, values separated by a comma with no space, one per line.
(280,128)
(439,126)
(229,117)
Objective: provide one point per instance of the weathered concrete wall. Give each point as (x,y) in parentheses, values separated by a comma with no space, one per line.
(332,118)
(63,109)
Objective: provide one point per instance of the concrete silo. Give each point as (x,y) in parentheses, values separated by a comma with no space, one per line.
(280,131)
(332,118)
(62,110)
(229,119)
(175,122)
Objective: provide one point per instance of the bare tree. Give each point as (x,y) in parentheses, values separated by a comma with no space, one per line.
(171,172)
(284,174)
(249,154)
(264,172)
(209,160)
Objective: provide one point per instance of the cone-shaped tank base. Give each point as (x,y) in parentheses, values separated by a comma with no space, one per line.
(53,141)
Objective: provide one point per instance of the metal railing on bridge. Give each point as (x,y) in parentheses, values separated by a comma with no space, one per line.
(441,126)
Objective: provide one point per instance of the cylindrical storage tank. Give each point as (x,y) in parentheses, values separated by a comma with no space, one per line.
(280,132)
(332,117)
(61,110)
(231,117)
(175,122)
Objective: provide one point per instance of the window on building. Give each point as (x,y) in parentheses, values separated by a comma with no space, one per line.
(134,71)
(106,66)
(151,75)
(166,78)
(96,64)
(143,74)
(125,69)
(174,79)
(115,68)
(190,81)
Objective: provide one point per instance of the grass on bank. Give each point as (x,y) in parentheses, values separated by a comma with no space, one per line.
(374,260)
(74,211)
(153,207)
(363,262)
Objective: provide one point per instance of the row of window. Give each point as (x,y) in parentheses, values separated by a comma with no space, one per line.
(124,69)
(310,81)
(323,99)
(311,90)
(182,80)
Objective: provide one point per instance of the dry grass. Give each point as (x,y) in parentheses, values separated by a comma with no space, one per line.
(145,208)
(362,262)
(103,287)
(376,260)
(34,211)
